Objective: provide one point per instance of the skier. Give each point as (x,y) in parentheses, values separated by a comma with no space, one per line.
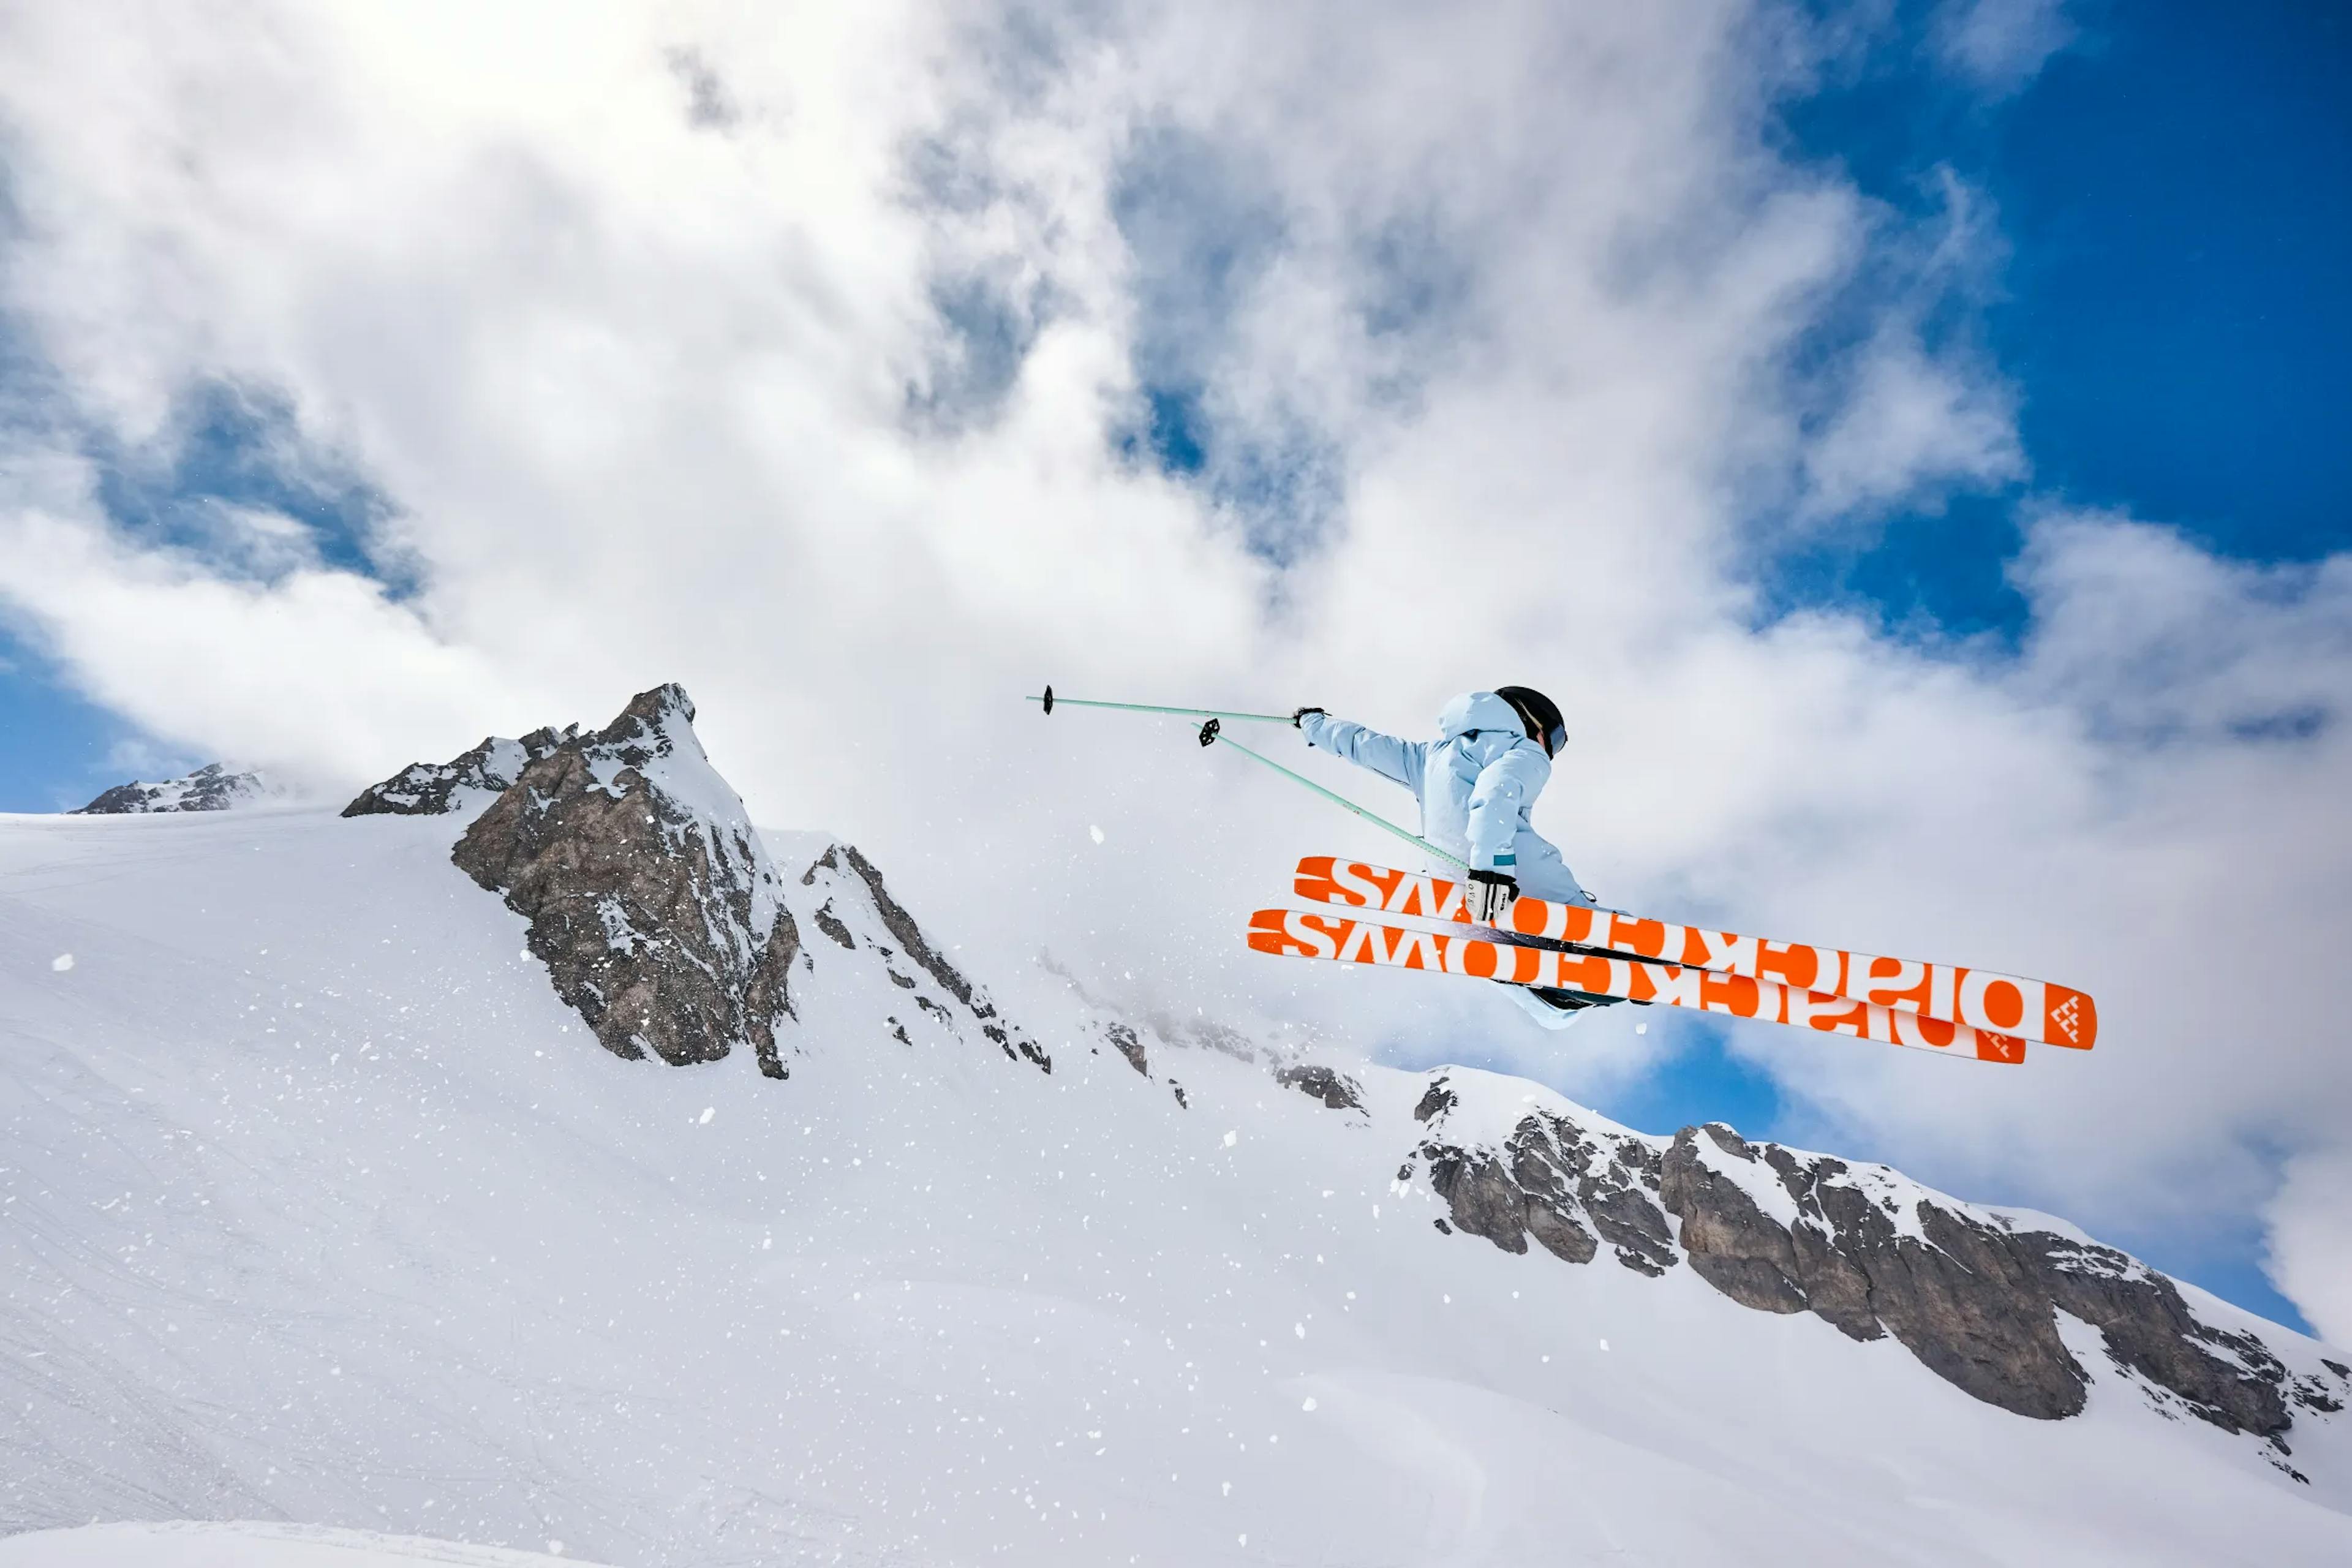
(1477,784)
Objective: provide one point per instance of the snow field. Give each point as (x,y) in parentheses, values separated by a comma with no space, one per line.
(240,1545)
(315,1204)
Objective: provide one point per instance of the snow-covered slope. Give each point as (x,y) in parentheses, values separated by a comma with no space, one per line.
(318,1203)
(235,1545)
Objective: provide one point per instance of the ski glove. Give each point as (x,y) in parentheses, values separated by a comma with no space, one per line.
(1298,716)
(1490,895)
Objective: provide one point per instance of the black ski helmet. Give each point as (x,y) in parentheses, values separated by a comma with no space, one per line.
(1540,714)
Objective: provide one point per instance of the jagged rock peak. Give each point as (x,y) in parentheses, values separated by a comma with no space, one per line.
(650,898)
(210,788)
(846,874)
(466,781)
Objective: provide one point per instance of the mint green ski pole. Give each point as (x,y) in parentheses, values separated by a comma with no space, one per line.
(1051,701)
(1211,732)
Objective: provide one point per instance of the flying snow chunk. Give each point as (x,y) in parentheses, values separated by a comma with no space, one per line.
(1096,833)
(1231,1139)
(62,962)
(1309,1404)
(707,1112)
(1641,1028)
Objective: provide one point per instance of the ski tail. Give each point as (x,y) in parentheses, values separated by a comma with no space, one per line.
(1297,933)
(1981,999)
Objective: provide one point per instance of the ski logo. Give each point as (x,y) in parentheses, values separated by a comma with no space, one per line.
(1979,999)
(1297,934)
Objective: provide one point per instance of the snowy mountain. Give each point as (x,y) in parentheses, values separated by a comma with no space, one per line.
(578,1164)
(209,788)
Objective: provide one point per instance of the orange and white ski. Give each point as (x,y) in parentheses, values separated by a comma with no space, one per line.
(1979,999)
(1296,933)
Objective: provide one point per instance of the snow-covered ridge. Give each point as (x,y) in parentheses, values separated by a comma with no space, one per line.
(857,911)
(213,787)
(1568,1177)
(462,785)
(1980,1295)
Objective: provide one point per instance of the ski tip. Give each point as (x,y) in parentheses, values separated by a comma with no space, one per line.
(1266,933)
(2071,1017)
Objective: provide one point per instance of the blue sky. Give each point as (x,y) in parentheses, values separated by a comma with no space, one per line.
(2171,312)
(2173,188)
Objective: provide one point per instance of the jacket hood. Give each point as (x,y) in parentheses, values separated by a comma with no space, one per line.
(1479,710)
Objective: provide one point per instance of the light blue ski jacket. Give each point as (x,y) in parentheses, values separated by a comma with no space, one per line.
(1477,784)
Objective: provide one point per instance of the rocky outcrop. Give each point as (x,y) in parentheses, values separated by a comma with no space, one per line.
(210,788)
(1571,1185)
(1974,1293)
(468,782)
(1128,1044)
(847,877)
(1775,1233)
(651,900)
(1336,1090)
(2231,1379)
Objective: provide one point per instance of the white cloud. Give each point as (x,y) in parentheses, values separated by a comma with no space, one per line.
(1520,297)
(2001,44)
(2311,1241)
(307,670)
(1911,426)
(142,760)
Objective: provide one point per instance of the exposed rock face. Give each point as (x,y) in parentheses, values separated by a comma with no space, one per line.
(1569,1186)
(1337,1091)
(848,875)
(650,899)
(2231,1379)
(210,788)
(1128,1045)
(1972,1293)
(466,781)
(1953,1291)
